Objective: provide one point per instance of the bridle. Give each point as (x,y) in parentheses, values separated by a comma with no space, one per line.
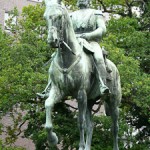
(61,41)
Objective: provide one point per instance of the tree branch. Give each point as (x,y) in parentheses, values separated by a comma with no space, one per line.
(20,131)
(111,11)
(99,106)
(71,106)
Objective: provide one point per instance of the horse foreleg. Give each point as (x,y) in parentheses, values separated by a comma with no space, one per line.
(82,106)
(89,127)
(54,96)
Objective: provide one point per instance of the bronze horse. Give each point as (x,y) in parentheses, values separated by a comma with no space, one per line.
(73,73)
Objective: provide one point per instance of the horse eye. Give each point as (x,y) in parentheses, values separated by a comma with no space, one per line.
(50,17)
(59,17)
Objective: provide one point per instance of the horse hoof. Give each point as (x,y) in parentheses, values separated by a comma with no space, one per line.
(52,138)
(81,149)
(48,127)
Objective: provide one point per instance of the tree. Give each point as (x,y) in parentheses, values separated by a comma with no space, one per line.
(129,49)
(23,73)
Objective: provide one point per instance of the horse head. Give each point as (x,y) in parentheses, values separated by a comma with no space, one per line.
(54,15)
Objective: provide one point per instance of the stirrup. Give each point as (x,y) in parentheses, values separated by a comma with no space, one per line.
(104,90)
(41,95)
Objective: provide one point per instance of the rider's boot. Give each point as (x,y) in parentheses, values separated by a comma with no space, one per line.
(103,88)
(45,93)
(42,95)
(101,69)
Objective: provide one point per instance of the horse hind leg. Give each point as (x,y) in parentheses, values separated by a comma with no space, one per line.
(114,113)
(82,106)
(89,127)
(115,128)
(54,96)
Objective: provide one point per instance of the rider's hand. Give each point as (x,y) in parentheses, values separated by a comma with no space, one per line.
(85,36)
(78,35)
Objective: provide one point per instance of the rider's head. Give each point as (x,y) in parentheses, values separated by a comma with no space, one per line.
(83,3)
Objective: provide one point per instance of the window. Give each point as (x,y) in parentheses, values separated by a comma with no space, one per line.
(9,19)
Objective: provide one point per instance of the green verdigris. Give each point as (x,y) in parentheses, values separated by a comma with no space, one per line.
(74,73)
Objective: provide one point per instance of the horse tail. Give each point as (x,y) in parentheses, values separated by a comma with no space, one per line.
(115,87)
(118,92)
(114,84)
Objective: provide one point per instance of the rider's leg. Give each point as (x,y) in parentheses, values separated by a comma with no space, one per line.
(45,93)
(101,68)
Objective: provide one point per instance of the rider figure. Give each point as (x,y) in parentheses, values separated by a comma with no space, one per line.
(89,25)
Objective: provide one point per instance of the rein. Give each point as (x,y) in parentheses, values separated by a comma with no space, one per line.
(62,33)
(62,42)
(67,70)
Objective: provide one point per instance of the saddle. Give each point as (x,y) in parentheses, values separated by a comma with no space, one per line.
(86,46)
(89,50)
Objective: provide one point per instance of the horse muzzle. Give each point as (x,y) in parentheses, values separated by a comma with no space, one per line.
(53,43)
(52,38)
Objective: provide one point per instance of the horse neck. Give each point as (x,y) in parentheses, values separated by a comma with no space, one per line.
(66,56)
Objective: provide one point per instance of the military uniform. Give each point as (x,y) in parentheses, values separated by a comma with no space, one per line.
(91,23)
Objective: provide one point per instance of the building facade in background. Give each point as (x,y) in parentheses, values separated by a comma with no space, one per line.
(7,5)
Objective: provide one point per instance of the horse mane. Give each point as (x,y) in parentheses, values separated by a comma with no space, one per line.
(66,17)
(59,5)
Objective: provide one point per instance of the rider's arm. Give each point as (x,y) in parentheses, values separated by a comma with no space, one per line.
(100,29)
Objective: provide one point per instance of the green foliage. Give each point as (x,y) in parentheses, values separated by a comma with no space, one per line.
(22,72)
(2,147)
(102,138)
(145,22)
(129,49)
(22,60)
(63,126)
(12,21)
(22,75)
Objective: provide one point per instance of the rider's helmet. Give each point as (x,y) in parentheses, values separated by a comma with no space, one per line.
(83,3)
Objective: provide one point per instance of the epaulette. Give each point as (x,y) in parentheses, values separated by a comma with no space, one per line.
(98,12)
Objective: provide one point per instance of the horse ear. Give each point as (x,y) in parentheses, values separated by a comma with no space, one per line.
(52,1)
(46,1)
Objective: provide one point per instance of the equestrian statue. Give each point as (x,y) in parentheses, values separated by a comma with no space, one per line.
(79,68)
